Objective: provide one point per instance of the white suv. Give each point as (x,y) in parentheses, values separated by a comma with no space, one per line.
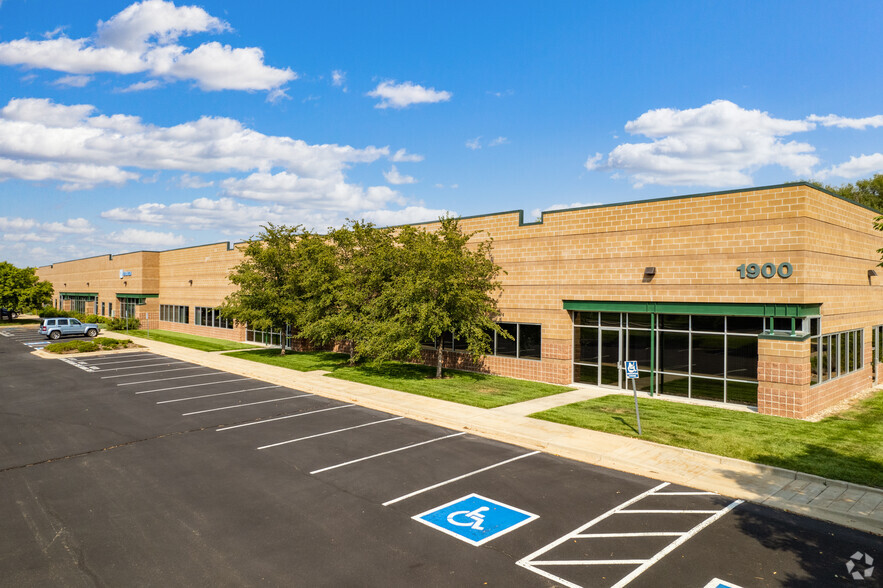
(58,327)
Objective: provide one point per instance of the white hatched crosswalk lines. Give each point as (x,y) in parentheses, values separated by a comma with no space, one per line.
(533,561)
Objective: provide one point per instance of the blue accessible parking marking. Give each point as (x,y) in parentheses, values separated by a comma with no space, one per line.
(718,583)
(475,519)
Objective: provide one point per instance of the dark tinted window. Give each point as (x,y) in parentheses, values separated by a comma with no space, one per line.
(674,352)
(677,322)
(639,321)
(715,324)
(750,325)
(529,341)
(610,319)
(585,343)
(507,347)
(585,318)
(742,357)
(708,355)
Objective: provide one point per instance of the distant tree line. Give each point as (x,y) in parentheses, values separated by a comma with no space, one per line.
(868,192)
(382,293)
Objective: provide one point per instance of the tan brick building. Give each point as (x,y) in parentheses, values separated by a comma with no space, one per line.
(767,297)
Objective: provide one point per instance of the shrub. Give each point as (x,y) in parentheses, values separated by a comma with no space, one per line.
(95,318)
(108,342)
(84,346)
(119,324)
(51,312)
(62,347)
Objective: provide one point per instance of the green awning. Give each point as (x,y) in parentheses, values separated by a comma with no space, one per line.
(137,296)
(710,308)
(67,294)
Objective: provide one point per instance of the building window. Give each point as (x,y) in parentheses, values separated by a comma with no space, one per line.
(174,313)
(211,317)
(697,356)
(836,354)
(270,337)
(102,309)
(79,303)
(526,341)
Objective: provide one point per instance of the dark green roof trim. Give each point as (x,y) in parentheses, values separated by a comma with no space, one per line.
(63,294)
(521,222)
(137,295)
(775,337)
(227,243)
(709,308)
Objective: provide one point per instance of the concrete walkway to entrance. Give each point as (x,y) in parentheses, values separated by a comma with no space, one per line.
(852,505)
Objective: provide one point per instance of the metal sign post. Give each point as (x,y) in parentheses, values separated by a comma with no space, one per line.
(631,373)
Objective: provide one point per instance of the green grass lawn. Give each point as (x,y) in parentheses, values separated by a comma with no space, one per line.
(846,447)
(191,341)
(482,390)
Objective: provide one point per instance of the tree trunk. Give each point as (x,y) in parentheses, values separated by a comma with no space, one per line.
(439,357)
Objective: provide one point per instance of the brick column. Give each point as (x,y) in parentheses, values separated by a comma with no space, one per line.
(783,374)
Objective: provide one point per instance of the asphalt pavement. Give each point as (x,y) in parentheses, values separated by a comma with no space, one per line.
(140,469)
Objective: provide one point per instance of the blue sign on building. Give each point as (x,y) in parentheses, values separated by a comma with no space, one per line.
(475,519)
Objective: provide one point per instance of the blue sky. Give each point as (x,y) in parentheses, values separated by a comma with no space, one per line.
(153,125)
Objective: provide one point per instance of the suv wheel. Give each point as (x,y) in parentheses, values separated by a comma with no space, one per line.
(91,332)
(54,335)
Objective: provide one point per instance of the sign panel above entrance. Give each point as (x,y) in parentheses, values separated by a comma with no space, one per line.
(707,308)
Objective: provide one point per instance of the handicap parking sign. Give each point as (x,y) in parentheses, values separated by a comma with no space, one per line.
(475,519)
(631,370)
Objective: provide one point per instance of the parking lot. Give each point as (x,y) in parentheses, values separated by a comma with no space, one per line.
(137,469)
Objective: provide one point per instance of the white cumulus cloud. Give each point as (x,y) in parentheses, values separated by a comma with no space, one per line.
(146,239)
(143,39)
(856,167)
(403,156)
(841,122)
(408,215)
(719,144)
(402,95)
(41,140)
(393,176)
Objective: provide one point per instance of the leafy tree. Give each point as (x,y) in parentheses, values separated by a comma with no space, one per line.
(270,293)
(868,192)
(440,285)
(21,289)
(351,268)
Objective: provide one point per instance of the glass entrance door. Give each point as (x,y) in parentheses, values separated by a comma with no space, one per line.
(610,355)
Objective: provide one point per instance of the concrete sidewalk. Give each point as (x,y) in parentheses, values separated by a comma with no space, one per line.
(852,505)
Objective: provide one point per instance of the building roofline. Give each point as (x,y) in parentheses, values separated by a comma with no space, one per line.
(232,245)
(520,213)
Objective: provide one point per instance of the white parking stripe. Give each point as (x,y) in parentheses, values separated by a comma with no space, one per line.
(245,404)
(135,367)
(531,563)
(195,367)
(290,416)
(677,543)
(607,535)
(340,465)
(174,378)
(216,394)
(329,433)
(667,511)
(440,484)
(192,385)
(116,361)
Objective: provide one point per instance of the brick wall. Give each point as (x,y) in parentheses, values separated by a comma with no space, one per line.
(599,254)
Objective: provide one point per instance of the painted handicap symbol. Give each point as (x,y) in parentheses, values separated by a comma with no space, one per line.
(475,519)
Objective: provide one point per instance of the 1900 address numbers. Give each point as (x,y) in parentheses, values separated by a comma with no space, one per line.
(766,270)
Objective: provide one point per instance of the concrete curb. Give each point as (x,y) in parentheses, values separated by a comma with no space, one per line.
(724,475)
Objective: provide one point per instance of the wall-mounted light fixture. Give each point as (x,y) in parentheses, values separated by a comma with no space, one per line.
(649,271)
(191,282)
(87,283)
(125,283)
(871,273)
